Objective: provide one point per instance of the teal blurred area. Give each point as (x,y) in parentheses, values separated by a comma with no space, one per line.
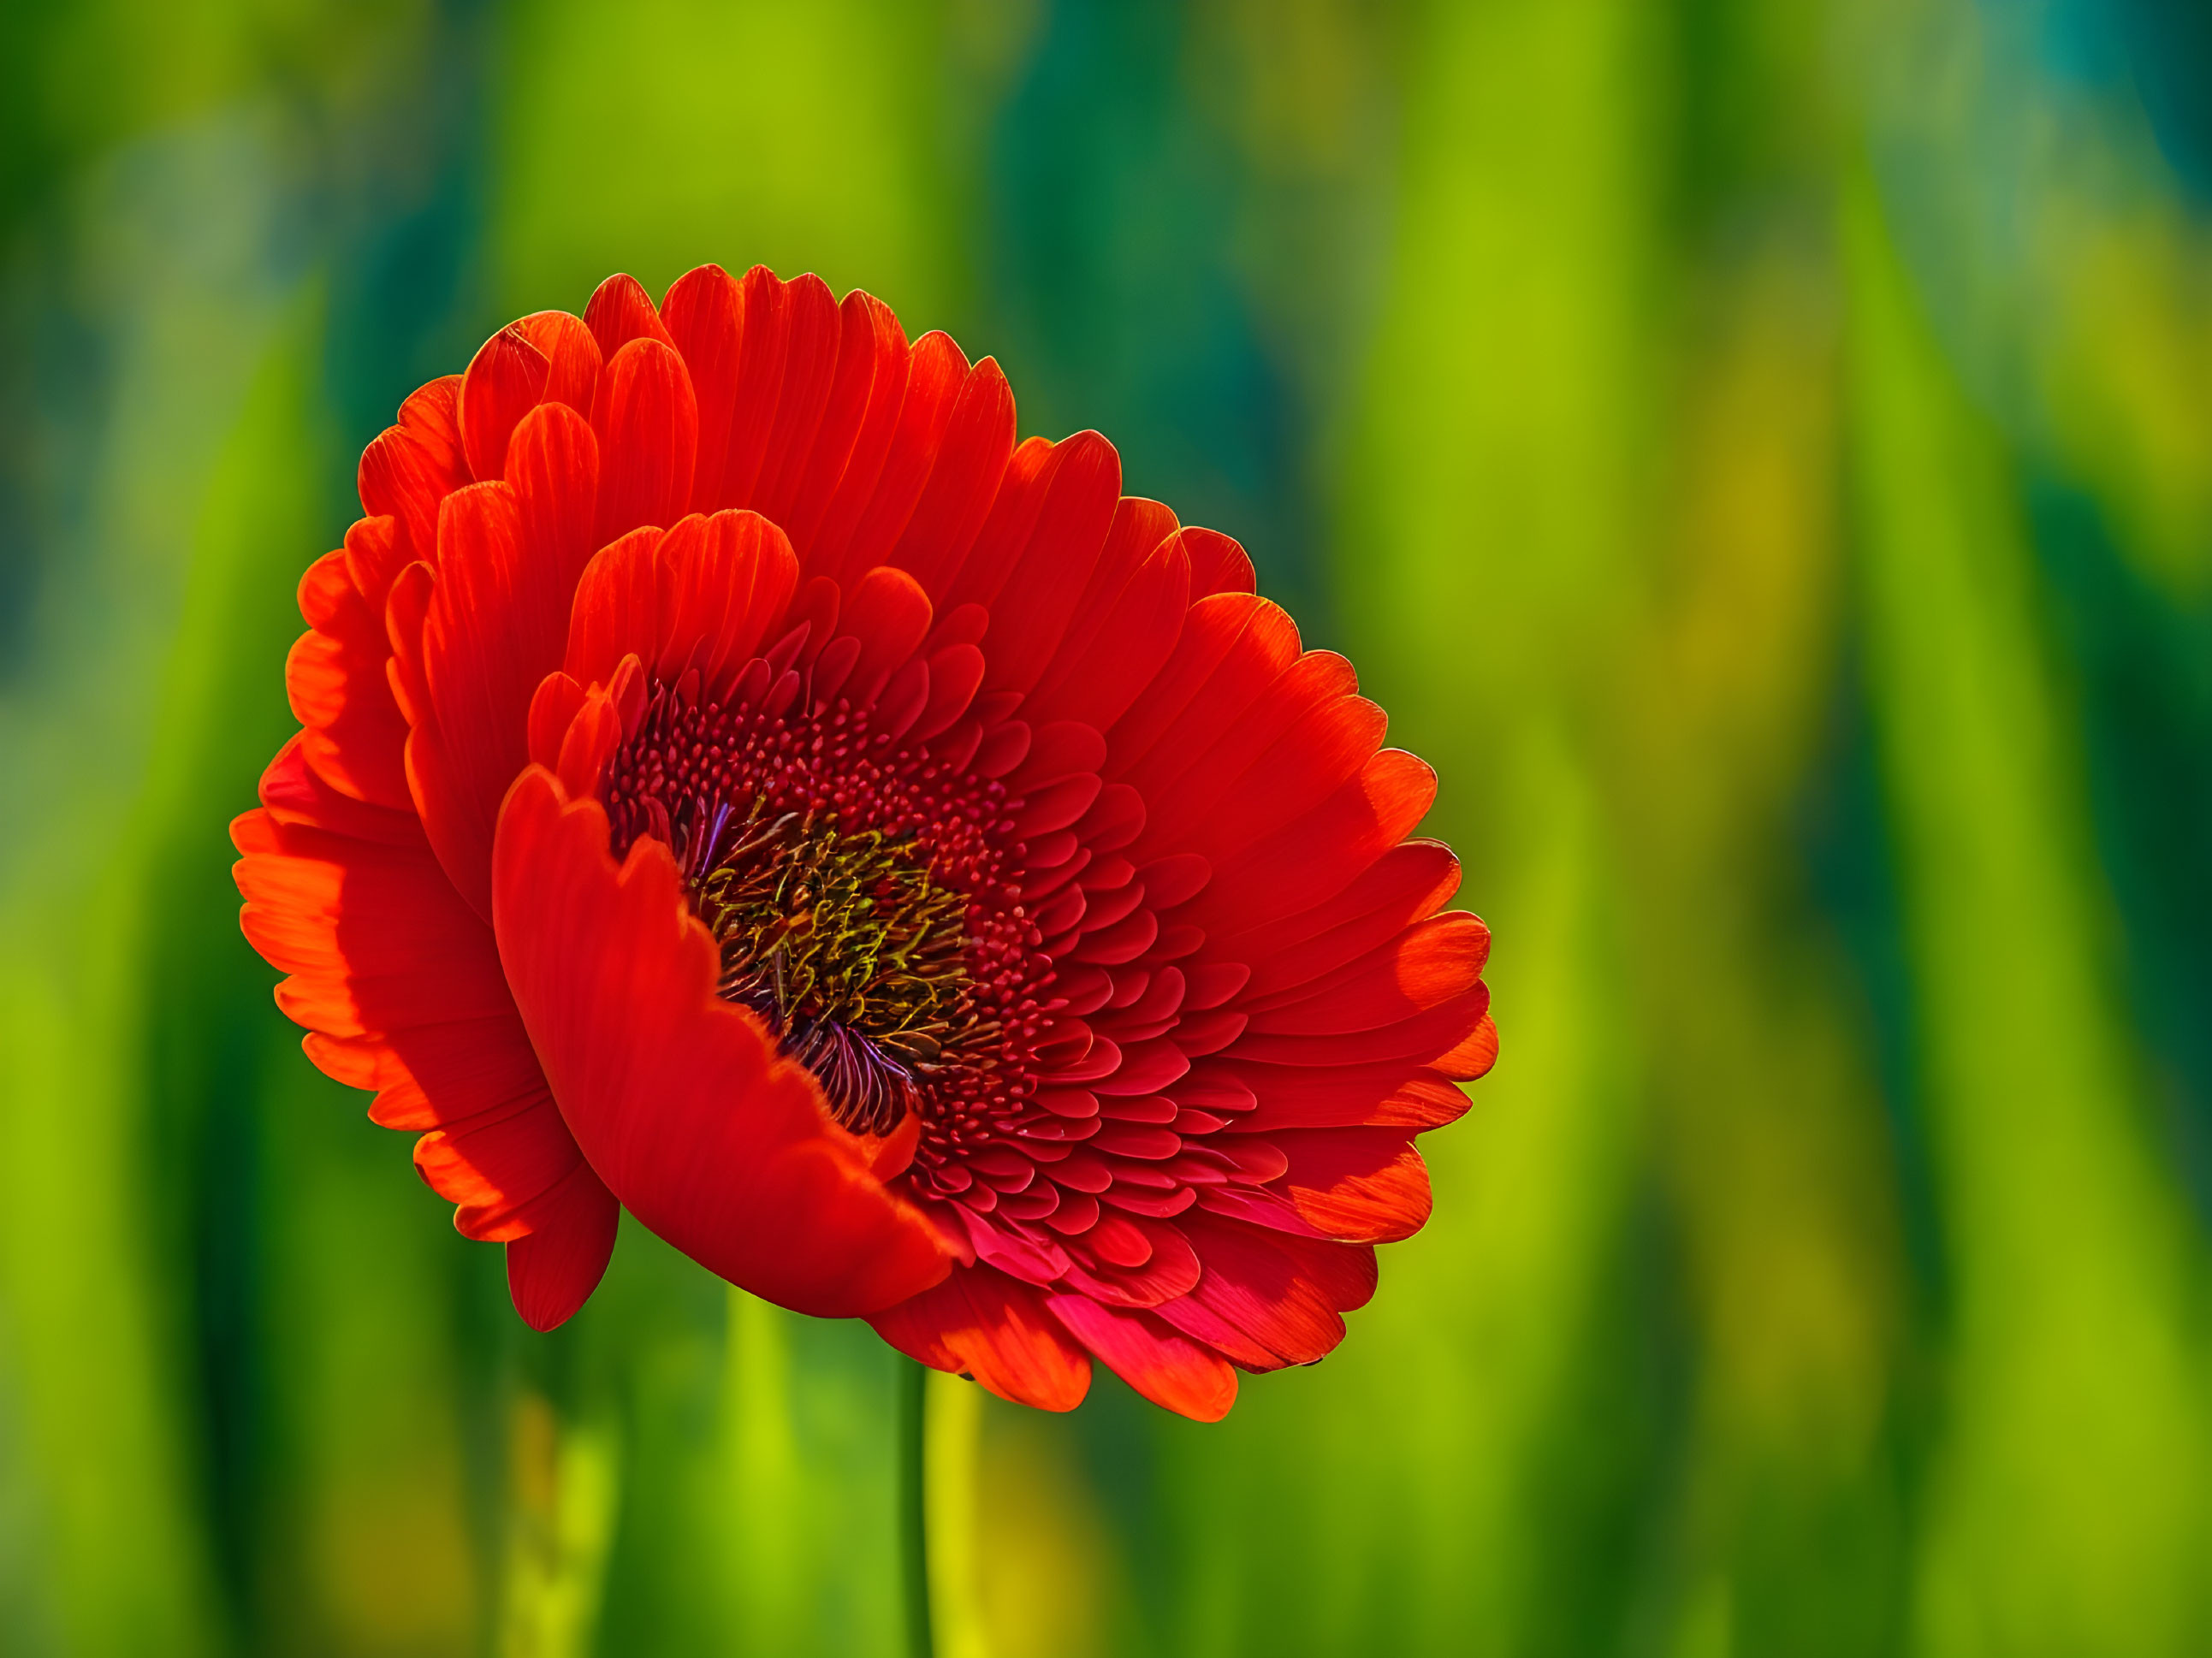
(1760,450)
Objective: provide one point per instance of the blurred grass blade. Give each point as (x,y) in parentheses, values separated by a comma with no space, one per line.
(2068,1512)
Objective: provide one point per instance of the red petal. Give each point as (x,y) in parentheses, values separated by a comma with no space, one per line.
(432,416)
(724,589)
(979,1323)
(621,311)
(373,558)
(553,467)
(774,461)
(1303,734)
(1055,805)
(1318,752)
(1115,818)
(1036,554)
(1217,565)
(1022,1251)
(1167,1267)
(401,988)
(404,478)
(955,674)
(705,317)
(971,461)
(1139,529)
(375,935)
(866,398)
(1407,884)
(595,733)
(872,512)
(434,1076)
(1166,1367)
(616,608)
(1252,1280)
(505,380)
(889,614)
(404,611)
(1359,1185)
(1202,1324)
(1344,1273)
(678,1097)
(1396,1093)
(553,1271)
(1426,964)
(498,1167)
(1318,856)
(1473,1055)
(765,305)
(1424,1037)
(296,792)
(336,681)
(704,595)
(1233,647)
(571,353)
(494,629)
(1102,669)
(648,422)
(1258,1206)
(1176,880)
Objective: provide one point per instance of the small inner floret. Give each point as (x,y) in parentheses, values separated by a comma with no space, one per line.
(859,896)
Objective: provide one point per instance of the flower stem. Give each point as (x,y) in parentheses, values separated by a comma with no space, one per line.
(914,1508)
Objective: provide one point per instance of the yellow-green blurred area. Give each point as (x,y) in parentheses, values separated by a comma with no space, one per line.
(1759,450)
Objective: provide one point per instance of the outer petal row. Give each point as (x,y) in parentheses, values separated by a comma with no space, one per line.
(400,988)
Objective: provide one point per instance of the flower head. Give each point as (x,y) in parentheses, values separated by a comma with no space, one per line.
(740,784)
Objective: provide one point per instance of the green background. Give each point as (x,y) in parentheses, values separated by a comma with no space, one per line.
(1760,450)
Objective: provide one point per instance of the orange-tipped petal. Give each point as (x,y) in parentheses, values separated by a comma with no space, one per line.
(982,1323)
(1183,1376)
(400,988)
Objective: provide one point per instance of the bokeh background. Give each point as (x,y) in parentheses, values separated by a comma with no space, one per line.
(1761,450)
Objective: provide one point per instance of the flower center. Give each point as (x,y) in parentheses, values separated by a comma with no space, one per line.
(858,893)
(847,949)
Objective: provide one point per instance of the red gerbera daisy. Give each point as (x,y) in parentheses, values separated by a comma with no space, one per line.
(742,785)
